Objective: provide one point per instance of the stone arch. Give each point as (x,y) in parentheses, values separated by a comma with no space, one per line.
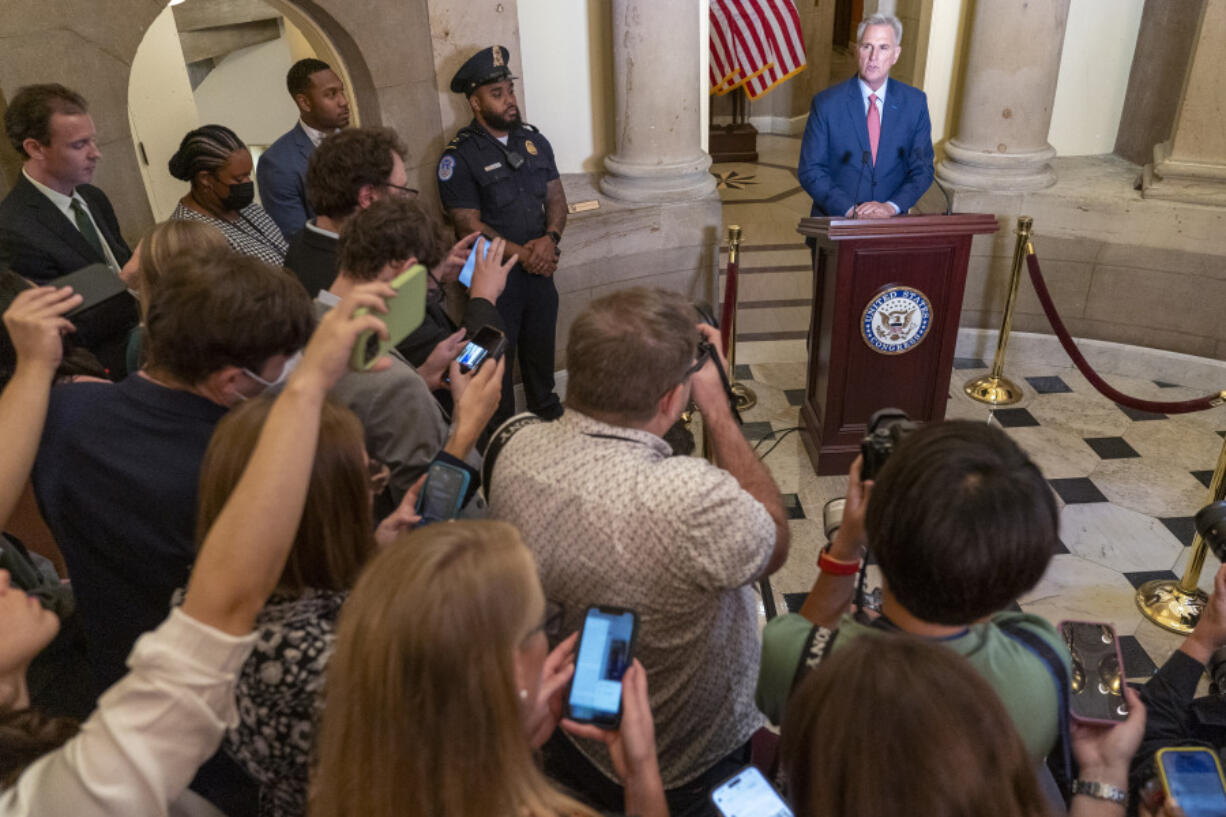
(385,45)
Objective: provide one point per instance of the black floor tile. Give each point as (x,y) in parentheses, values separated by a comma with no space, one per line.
(760,430)
(969,363)
(1111,448)
(791,504)
(1205,477)
(796,397)
(793,601)
(1013,607)
(1061,548)
(1048,385)
(1184,528)
(1015,418)
(1133,414)
(1140,577)
(741,371)
(1137,663)
(1162,384)
(1077,490)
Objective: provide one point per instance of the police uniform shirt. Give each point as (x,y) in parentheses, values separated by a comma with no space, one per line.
(474,174)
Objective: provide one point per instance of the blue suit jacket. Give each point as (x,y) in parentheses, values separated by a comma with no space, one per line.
(832,169)
(281,177)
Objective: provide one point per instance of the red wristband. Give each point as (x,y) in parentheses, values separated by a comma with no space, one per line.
(835,567)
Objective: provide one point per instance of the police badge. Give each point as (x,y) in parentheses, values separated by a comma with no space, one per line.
(528,146)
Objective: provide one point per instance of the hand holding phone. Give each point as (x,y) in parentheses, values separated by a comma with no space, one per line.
(1097,691)
(606,648)
(405,313)
(480,246)
(442,495)
(1192,776)
(489,342)
(748,794)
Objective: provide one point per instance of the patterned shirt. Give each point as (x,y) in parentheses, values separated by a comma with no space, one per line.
(254,233)
(614,519)
(279,695)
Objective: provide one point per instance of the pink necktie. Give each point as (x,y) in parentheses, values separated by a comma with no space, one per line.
(874,125)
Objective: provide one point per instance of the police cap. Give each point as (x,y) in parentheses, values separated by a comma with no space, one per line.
(486,66)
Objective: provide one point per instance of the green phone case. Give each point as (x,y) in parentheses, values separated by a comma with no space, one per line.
(404,313)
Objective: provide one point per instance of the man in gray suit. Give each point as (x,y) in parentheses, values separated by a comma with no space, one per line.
(281,175)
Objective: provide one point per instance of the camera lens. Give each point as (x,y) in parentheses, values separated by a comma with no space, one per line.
(1211,525)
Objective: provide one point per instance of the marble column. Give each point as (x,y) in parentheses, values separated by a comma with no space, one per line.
(1011,70)
(656,87)
(1191,165)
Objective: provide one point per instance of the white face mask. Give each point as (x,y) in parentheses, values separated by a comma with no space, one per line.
(290,364)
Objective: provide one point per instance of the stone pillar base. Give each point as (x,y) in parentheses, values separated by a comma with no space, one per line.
(969,169)
(673,181)
(1174,180)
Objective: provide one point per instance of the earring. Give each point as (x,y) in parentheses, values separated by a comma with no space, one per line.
(523,694)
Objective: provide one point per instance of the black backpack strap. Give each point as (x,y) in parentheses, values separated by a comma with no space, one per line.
(1055,668)
(497,441)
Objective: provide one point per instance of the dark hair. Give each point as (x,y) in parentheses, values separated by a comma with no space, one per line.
(25,736)
(875,730)
(335,535)
(216,309)
(961,522)
(30,111)
(346,162)
(76,362)
(208,147)
(390,230)
(298,80)
(627,349)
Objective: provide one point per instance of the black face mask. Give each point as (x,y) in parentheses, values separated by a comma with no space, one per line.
(240,195)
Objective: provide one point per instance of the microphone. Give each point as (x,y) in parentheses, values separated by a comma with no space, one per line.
(866,159)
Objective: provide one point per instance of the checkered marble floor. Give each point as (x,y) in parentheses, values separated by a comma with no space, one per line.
(1127,483)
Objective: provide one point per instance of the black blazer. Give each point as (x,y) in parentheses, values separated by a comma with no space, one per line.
(39,242)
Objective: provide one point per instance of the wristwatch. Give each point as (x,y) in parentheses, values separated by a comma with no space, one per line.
(556,236)
(1101,791)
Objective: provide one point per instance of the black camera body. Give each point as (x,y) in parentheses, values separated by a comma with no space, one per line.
(886,429)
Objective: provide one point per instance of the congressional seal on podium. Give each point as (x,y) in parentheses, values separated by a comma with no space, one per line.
(896,320)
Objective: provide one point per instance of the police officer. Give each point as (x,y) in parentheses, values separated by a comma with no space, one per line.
(498,177)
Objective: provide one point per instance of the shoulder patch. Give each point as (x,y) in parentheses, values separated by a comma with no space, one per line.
(446,167)
(528,127)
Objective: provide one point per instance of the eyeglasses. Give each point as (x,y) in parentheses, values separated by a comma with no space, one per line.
(378,475)
(407,192)
(551,622)
(290,364)
(705,352)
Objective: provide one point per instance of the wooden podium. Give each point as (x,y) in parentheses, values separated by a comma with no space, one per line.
(887,296)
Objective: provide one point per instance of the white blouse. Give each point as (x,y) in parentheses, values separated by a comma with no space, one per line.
(150,732)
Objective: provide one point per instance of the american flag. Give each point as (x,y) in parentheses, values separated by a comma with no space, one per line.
(756,44)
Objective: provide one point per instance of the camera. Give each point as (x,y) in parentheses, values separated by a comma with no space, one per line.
(886,429)
(1211,525)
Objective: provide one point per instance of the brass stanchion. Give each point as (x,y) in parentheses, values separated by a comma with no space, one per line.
(745,397)
(995,389)
(1177,605)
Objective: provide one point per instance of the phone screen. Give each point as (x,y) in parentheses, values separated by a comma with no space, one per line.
(604,655)
(1194,779)
(470,263)
(472,356)
(748,794)
(442,494)
(1098,676)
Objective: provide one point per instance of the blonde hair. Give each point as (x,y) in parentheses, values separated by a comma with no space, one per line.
(164,242)
(422,716)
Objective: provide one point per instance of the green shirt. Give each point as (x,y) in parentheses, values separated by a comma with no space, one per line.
(1023,682)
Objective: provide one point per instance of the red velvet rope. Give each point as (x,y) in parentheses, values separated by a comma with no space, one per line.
(729,304)
(1154,406)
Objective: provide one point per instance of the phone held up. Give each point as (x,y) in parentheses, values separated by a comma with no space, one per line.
(748,794)
(1192,777)
(481,245)
(1097,692)
(606,648)
(405,312)
(442,494)
(489,342)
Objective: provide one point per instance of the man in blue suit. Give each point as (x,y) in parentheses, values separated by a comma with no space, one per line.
(867,149)
(281,175)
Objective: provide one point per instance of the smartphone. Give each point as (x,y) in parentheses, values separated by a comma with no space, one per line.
(1192,775)
(466,272)
(748,794)
(1097,692)
(442,494)
(405,313)
(488,342)
(606,648)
